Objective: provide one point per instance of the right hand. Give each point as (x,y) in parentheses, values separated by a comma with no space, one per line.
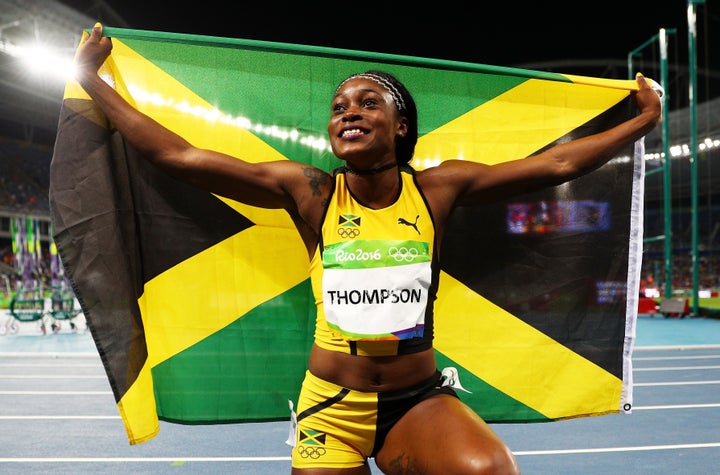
(648,100)
(92,53)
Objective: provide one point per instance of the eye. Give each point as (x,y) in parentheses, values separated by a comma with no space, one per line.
(370,102)
(338,107)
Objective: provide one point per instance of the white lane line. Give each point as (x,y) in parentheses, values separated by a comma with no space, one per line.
(676,347)
(51,364)
(618,449)
(664,358)
(285,458)
(675,406)
(676,383)
(54,393)
(52,354)
(675,368)
(19,418)
(143,459)
(53,376)
(638,408)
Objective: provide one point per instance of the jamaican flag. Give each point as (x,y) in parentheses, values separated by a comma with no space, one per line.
(201,307)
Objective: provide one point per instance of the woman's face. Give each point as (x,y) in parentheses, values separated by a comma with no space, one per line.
(364,122)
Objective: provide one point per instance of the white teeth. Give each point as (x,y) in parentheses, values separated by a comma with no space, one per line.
(351,132)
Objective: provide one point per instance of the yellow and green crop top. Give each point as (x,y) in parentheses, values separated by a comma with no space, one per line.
(374,274)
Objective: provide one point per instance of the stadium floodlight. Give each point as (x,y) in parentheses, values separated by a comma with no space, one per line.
(46,62)
(41,60)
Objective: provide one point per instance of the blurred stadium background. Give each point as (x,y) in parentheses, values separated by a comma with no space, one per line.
(30,105)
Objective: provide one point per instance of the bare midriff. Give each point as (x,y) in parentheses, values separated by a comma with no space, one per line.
(372,373)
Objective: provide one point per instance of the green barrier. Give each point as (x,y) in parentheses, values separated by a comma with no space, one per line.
(28,305)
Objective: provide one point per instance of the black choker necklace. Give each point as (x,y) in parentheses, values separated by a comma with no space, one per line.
(372,171)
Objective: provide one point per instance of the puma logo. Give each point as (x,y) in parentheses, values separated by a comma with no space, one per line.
(408,223)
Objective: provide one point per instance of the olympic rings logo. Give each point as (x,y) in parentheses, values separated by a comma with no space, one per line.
(311,452)
(348,232)
(403,254)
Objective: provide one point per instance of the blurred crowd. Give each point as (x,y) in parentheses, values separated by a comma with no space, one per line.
(655,276)
(24,178)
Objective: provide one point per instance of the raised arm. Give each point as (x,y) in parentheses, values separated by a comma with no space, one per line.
(270,185)
(457,183)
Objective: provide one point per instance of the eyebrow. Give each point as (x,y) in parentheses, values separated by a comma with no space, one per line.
(378,92)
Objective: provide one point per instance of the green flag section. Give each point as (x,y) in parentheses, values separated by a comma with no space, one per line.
(201,307)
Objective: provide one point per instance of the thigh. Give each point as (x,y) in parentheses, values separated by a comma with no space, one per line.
(442,435)
(335,429)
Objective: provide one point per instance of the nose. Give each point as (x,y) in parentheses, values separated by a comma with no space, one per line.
(351,113)
(353,108)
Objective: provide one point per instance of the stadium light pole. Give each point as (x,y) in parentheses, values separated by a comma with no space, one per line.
(692,63)
(667,182)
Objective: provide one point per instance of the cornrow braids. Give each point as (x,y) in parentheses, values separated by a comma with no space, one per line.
(380,80)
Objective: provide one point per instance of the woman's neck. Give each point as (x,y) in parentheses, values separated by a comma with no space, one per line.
(370,171)
(374,189)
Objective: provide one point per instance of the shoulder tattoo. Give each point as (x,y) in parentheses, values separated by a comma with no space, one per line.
(316,179)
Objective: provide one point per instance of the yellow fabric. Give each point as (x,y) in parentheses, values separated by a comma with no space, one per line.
(340,435)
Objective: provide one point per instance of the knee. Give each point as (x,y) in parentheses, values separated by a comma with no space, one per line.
(498,461)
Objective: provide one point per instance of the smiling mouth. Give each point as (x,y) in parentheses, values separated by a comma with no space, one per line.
(351,133)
